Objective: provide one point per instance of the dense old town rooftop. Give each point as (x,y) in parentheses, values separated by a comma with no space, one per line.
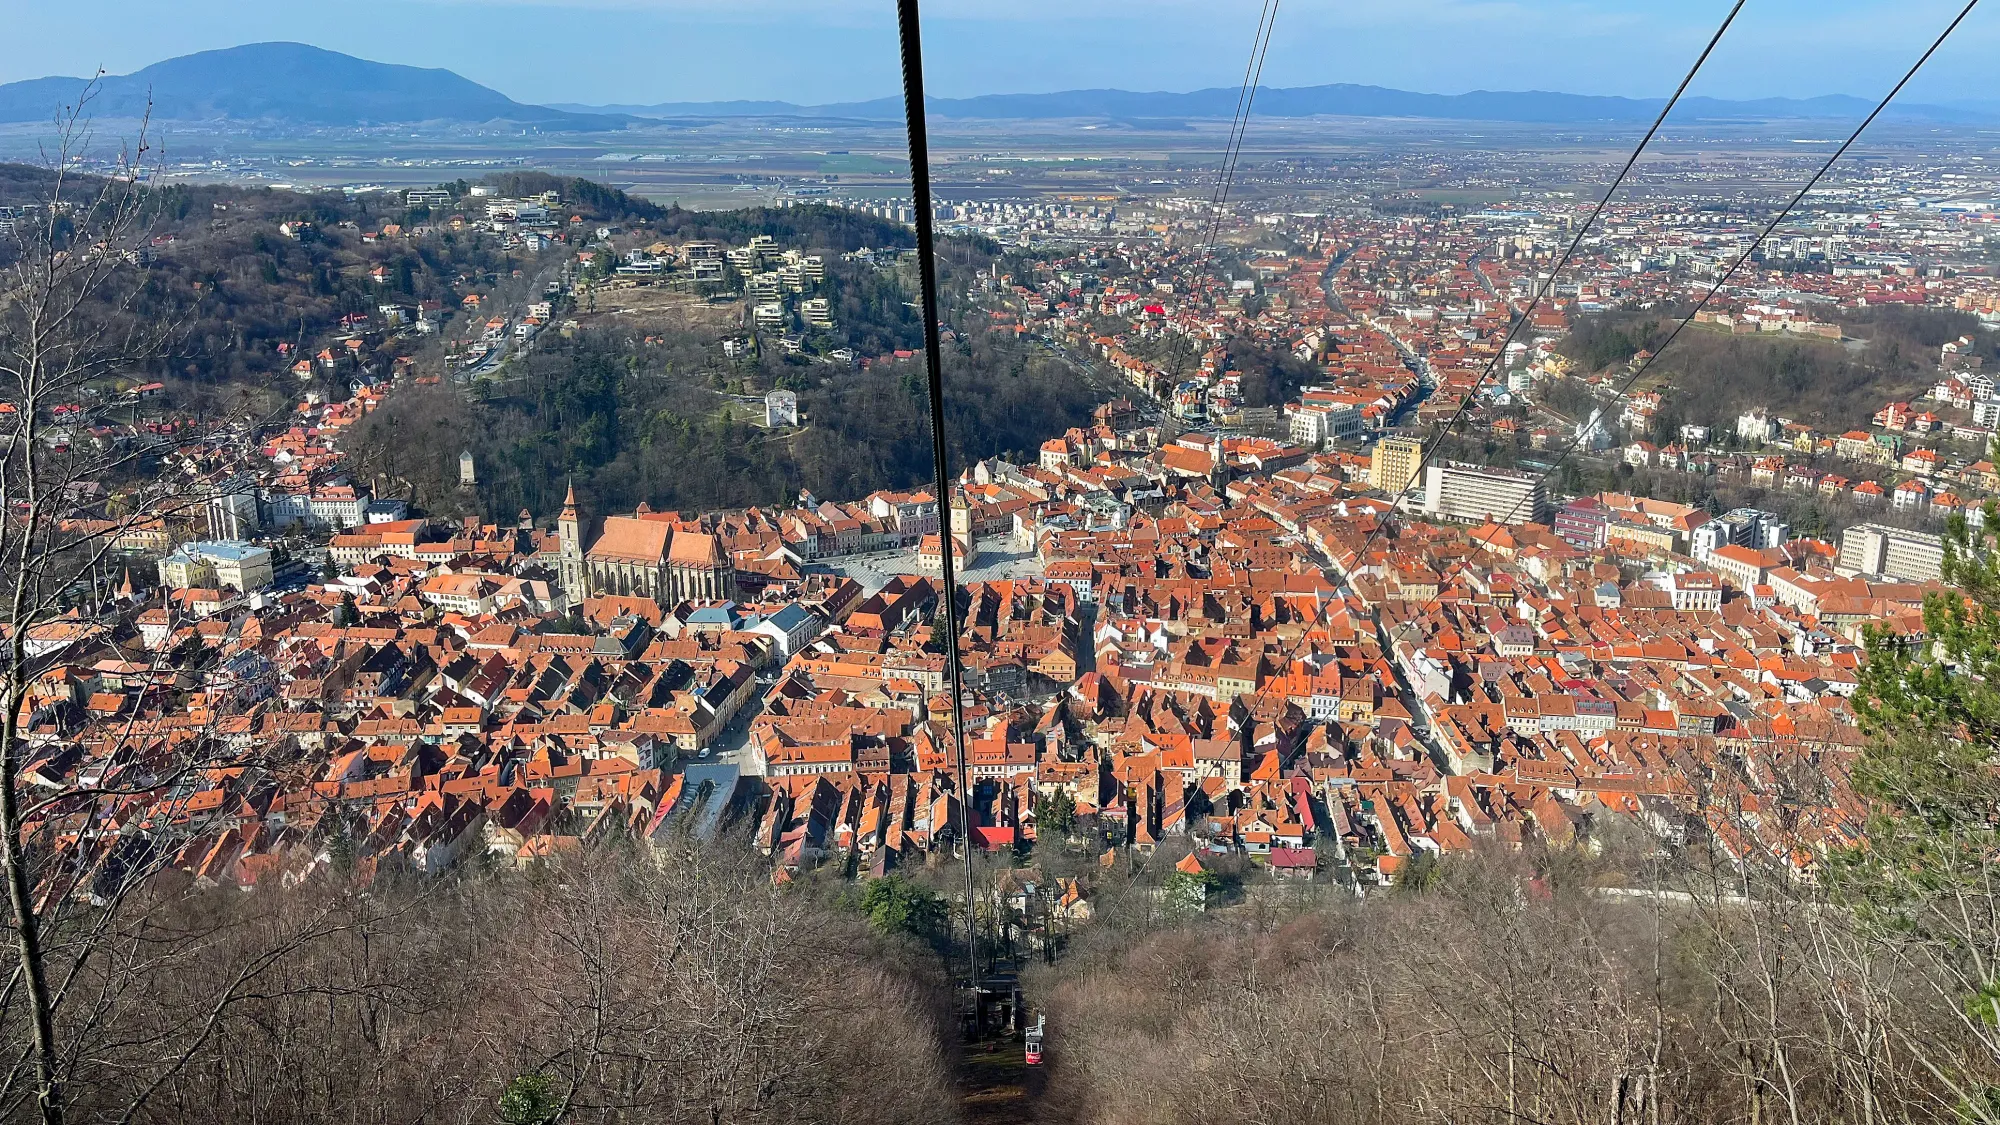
(1302,646)
(1217,643)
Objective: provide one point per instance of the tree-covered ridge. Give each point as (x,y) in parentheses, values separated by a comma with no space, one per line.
(259,278)
(1714,375)
(254,300)
(579,196)
(817,226)
(680,988)
(634,422)
(662,415)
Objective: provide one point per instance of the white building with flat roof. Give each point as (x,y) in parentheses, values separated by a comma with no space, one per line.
(1466,493)
(1892,552)
(232,512)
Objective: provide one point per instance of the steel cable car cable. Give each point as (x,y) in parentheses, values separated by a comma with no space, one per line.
(1320,613)
(1742,259)
(910,31)
(910,35)
(1425,452)
(1239,125)
(1232,152)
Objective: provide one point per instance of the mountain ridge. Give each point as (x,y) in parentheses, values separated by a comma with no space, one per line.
(300,86)
(292,84)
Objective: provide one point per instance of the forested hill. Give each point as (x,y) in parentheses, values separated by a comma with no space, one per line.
(813,226)
(1710,377)
(265,278)
(632,422)
(578,194)
(259,277)
(819,226)
(645,405)
(254,299)
(287,85)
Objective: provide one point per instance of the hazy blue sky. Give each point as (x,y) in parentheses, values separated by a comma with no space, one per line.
(827,50)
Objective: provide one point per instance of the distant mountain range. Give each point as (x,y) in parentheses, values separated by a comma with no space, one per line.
(1341,99)
(292,85)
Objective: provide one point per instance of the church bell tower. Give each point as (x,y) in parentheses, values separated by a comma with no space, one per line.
(569,532)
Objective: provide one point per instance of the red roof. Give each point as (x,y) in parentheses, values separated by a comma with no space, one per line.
(1294,859)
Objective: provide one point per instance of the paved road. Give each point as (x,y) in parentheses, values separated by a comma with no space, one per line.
(505,347)
(995,563)
(733,747)
(1148,409)
(1417,364)
(485,366)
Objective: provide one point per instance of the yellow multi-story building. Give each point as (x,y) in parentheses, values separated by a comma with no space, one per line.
(1395,464)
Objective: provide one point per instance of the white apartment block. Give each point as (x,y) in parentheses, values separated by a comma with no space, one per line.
(1466,493)
(1873,548)
(1315,424)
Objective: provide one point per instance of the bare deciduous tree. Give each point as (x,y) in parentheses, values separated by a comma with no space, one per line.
(80,321)
(1513,991)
